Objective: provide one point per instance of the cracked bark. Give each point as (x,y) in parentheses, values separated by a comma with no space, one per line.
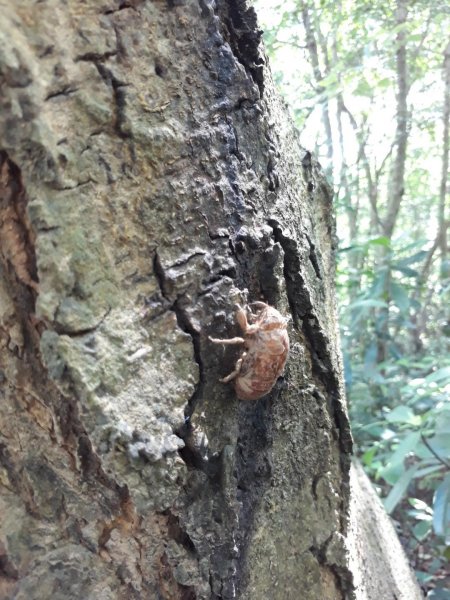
(152,207)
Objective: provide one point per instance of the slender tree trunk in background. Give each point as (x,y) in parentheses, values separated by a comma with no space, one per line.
(397,176)
(149,177)
(419,318)
(396,188)
(443,223)
(311,45)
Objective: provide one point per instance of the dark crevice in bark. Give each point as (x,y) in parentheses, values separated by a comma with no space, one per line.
(197,457)
(249,469)
(79,332)
(47,228)
(307,168)
(8,464)
(272,174)
(94,57)
(253,471)
(17,250)
(133,4)
(313,256)
(340,571)
(178,534)
(318,553)
(208,284)
(119,96)
(66,91)
(169,587)
(126,514)
(17,238)
(7,568)
(306,320)
(76,436)
(190,454)
(272,168)
(117,87)
(242,33)
(345,578)
(160,275)
(184,260)
(342,574)
(307,163)
(185,324)
(298,295)
(256,260)
(77,439)
(10,345)
(109,174)
(268,280)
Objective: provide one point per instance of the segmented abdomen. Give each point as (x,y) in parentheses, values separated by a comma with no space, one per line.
(263,364)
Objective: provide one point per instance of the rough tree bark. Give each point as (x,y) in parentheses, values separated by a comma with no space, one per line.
(149,180)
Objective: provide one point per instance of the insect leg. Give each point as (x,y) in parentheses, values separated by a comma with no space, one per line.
(235,373)
(241,318)
(229,342)
(259,305)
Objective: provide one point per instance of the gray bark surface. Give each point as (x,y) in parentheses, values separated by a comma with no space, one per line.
(377,560)
(149,180)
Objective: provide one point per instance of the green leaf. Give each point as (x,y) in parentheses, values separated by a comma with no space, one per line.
(428,470)
(403,414)
(422,529)
(420,505)
(368,456)
(440,443)
(411,260)
(423,576)
(379,241)
(399,489)
(363,89)
(368,303)
(384,83)
(400,297)
(441,508)
(406,271)
(394,468)
(439,375)
(406,446)
(443,422)
(438,594)
(377,289)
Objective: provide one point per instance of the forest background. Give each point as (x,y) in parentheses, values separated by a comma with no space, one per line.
(368,84)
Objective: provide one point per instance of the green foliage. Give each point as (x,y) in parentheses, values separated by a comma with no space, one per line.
(339,70)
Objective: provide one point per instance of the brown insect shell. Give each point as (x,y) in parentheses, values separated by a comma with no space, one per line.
(267,344)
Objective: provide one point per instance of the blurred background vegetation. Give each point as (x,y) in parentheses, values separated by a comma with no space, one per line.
(368,84)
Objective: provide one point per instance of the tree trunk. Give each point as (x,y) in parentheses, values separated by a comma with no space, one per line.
(149,181)
(397,175)
(313,52)
(373,543)
(443,223)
